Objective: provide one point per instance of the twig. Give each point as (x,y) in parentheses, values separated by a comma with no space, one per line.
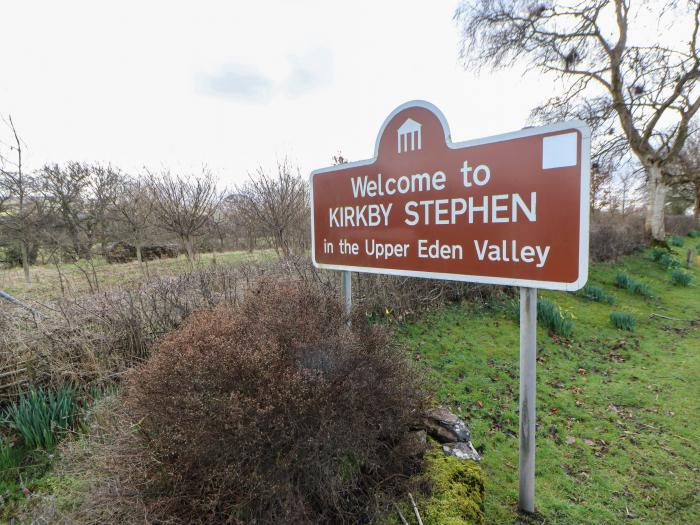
(652,314)
(8,297)
(403,520)
(415,509)
(12,372)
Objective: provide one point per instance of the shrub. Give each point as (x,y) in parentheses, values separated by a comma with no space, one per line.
(612,235)
(694,233)
(596,293)
(551,316)
(676,241)
(623,321)
(275,412)
(680,224)
(681,278)
(657,253)
(667,262)
(42,416)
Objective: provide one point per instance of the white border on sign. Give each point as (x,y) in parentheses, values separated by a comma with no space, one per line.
(579,125)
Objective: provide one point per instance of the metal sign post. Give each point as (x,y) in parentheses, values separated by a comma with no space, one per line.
(528,362)
(347,293)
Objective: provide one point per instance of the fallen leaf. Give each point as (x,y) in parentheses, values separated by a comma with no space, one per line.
(570,440)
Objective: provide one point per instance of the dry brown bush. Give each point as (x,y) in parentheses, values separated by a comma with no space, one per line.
(275,412)
(681,224)
(96,337)
(614,235)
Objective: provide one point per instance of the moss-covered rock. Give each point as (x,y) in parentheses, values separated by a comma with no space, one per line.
(456,496)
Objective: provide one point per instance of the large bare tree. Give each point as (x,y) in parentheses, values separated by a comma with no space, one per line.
(630,68)
(65,189)
(184,204)
(279,203)
(18,223)
(134,210)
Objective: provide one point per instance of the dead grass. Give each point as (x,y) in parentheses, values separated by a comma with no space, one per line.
(46,279)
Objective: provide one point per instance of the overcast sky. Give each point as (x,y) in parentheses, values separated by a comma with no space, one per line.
(236,84)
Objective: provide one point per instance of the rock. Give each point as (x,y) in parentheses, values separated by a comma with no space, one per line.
(465,451)
(444,426)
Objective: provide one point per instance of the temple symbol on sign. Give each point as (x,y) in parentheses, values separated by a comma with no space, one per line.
(411,129)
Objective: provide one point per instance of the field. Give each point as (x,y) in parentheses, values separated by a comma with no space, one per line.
(618,411)
(46,279)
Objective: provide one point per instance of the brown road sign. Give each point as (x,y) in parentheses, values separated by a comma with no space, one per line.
(510,209)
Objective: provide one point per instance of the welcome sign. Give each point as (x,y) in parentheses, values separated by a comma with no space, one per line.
(510,209)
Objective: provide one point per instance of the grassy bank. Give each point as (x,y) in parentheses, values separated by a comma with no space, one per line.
(618,411)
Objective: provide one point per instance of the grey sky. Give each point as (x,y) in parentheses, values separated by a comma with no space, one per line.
(236,84)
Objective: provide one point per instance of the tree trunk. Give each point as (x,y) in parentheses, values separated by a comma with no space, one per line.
(189,249)
(656,201)
(25,261)
(139,257)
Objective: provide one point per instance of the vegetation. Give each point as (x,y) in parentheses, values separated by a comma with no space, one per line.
(681,278)
(623,280)
(295,418)
(596,293)
(668,262)
(623,321)
(42,416)
(552,317)
(674,240)
(617,423)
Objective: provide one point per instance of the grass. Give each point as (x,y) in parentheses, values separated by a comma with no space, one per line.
(618,413)
(668,262)
(41,416)
(46,283)
(623,321)
(597,294)
(676,241)
(551,316)
(681,278)
(624,281)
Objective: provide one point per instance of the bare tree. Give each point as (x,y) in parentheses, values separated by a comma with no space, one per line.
(184,204)
(279,204)
(17,189)
(134,209)
(689,180)
(103,185)
(640,92)
(65,190)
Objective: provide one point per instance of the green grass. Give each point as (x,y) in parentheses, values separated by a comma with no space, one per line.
(668,262)
(681,278)
(618,412)
(623,321)
(674,240)
(596,293)
(694,233)
(624,281)
(551,316)
(41,417)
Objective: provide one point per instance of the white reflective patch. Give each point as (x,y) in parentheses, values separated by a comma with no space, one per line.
(559,151)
